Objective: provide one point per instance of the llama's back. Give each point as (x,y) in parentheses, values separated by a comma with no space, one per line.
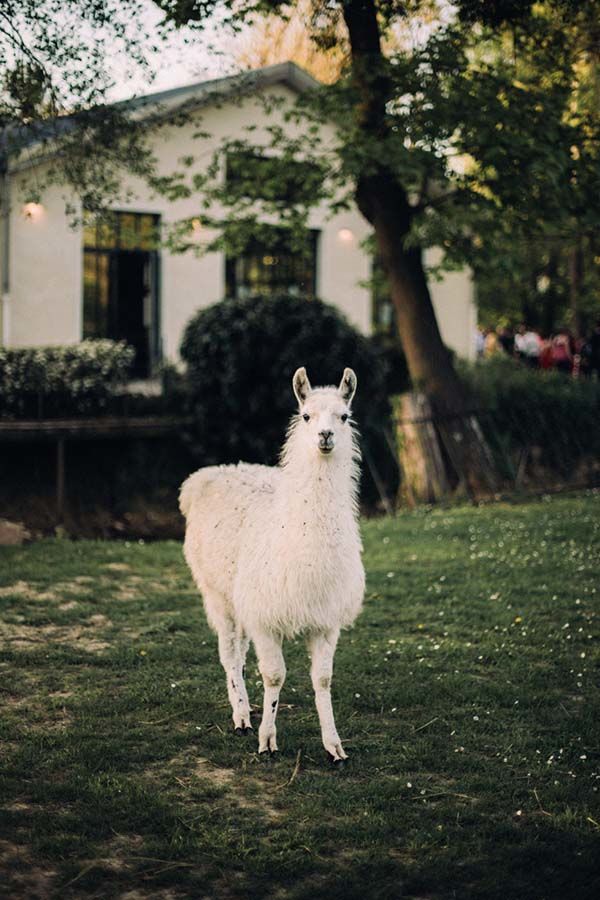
(215,502)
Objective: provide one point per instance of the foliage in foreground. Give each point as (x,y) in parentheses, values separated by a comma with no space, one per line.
(465,695)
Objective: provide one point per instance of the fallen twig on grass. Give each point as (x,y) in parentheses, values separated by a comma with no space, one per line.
(80,874)
(443,794)
(542,810)
(295,771)
(426,725)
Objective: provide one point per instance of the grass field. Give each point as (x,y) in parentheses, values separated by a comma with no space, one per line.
(467,697)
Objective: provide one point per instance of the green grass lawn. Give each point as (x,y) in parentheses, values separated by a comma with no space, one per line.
(467,697)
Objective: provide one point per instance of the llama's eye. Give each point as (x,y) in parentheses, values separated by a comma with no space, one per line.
(306,417)
(344,417)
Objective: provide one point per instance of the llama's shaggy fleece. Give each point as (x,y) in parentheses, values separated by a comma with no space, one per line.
(276,552)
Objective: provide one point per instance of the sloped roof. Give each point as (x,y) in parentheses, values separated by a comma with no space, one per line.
(16,138)
(281,73)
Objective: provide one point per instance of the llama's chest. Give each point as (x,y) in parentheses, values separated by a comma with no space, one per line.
(303,577)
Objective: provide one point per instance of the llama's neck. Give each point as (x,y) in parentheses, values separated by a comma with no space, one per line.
(323,485)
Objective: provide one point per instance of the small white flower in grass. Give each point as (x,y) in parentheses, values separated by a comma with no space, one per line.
(390,574)
(386,540)
(519,812)
(476,718)
(357,695)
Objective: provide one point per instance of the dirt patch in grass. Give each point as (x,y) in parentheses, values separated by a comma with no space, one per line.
(20,588)
(27,878)
(29,637)
(221,777)
(29,591)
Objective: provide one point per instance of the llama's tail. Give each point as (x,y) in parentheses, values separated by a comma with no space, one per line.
(192,488)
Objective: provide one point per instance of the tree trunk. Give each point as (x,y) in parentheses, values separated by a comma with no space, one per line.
(384,203)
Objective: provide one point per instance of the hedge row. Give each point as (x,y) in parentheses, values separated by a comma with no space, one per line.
(71,380)
(552,416)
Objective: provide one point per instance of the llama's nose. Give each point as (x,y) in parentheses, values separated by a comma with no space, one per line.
(326,436)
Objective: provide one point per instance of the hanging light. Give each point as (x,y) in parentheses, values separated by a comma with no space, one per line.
(33,211)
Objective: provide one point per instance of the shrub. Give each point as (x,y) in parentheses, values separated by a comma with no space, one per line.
(524,408)
(75,379)
(241,356)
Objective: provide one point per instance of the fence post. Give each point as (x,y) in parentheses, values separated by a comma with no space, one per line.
(423,472)
(60,478)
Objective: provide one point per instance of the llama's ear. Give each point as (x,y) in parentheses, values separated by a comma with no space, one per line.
(301,385)
(347,386)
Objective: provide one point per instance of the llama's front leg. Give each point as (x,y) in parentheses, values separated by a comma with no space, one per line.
(321,648)
(232,653)
(272,669)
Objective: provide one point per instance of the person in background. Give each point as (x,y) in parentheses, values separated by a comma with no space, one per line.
(546,361)
(519,340)
(562,355)
(528,345)
(479,342)
(506,339)
(491,347)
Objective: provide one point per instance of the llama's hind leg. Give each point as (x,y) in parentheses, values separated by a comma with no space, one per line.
(233,646)
(321,648)
(272,669)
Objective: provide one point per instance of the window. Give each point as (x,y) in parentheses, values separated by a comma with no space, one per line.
(120,283)
(270,267)
(383,315)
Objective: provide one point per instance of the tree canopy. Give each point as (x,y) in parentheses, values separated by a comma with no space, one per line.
(57,70)
(488,118)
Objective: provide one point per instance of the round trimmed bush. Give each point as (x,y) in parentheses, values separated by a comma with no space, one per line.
(241,356)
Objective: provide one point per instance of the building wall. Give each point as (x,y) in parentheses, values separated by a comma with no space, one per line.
(454,303)
(45,270)
(46,252)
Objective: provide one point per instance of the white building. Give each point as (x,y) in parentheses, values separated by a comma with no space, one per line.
(61,284)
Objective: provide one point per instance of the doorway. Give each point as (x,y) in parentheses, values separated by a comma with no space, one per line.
(120,285)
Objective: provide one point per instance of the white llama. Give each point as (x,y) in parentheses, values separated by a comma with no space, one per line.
(276,552)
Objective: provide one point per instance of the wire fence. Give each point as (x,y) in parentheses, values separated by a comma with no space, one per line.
(548,452)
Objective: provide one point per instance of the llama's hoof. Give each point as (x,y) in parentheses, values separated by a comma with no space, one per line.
(336,763)
(242,732)
(269,756)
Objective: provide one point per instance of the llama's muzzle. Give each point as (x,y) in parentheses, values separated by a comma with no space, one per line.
(326,443)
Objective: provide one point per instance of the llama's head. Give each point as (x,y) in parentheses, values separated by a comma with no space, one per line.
(324,421)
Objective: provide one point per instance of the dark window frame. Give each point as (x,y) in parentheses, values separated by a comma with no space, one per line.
(240,282)
(104,240)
